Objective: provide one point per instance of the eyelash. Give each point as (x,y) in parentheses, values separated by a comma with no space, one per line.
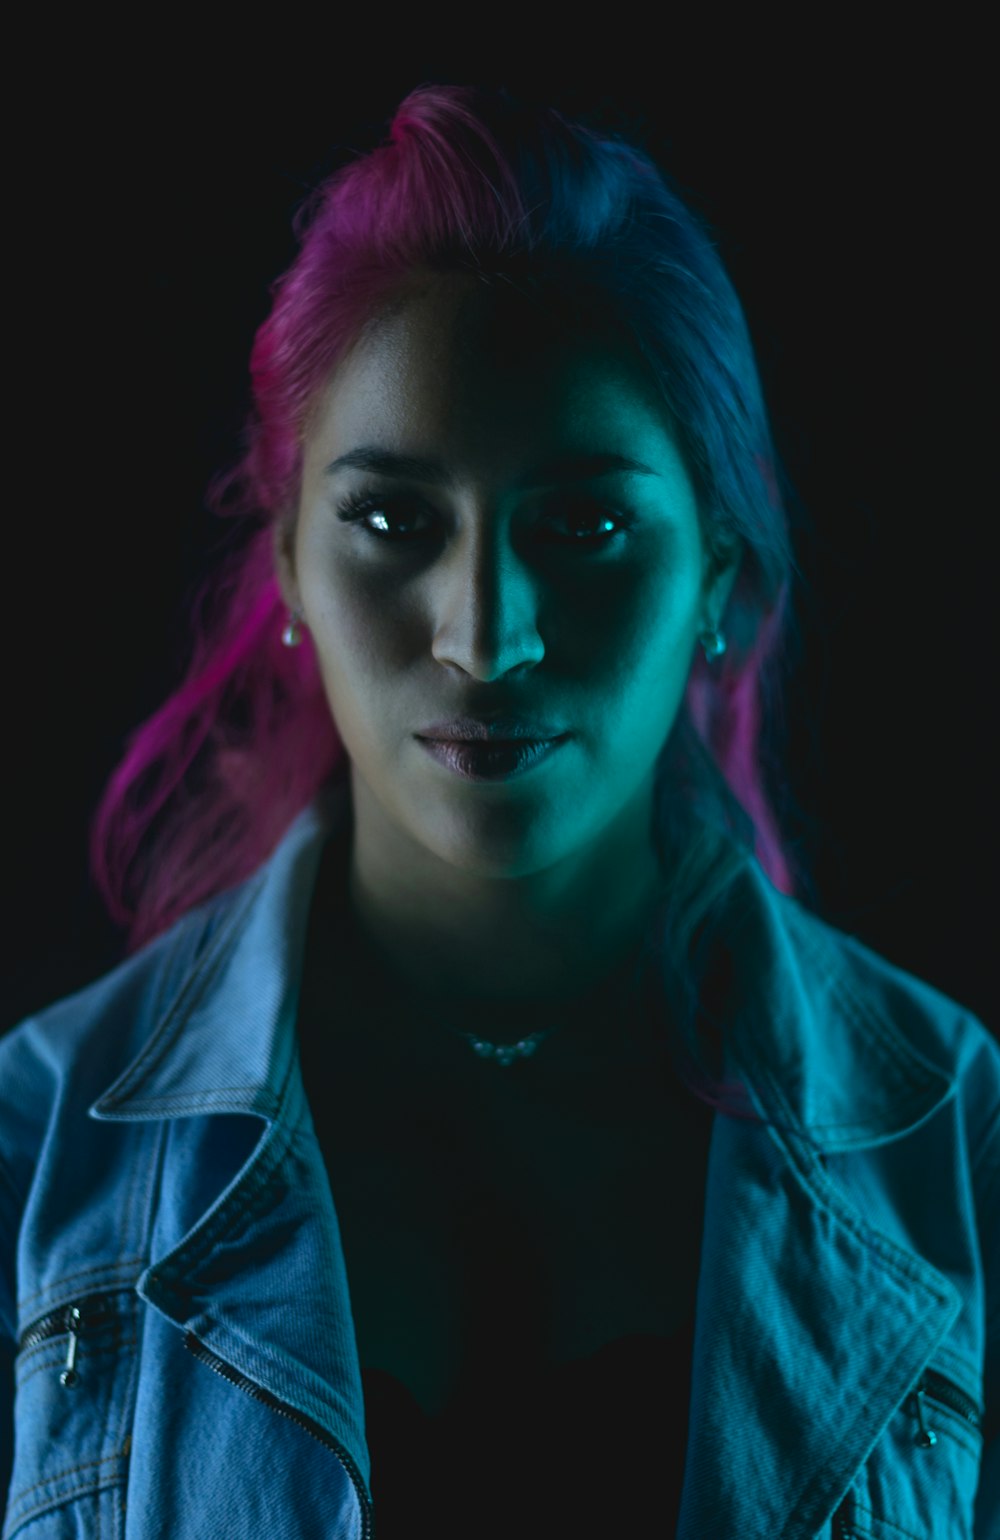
(356,506)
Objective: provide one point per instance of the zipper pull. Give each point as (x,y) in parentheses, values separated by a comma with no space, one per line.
(926,1438)
(69,1375)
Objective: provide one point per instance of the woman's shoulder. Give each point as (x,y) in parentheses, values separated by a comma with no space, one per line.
(59,1058)
(73,1047)
(892,1003)
(844,1020)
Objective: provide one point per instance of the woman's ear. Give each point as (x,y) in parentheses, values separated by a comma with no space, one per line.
(283,547)
(722,566)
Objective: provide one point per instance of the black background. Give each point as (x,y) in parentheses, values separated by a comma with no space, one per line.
(848,180)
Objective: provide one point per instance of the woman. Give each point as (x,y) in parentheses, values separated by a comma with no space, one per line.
(602,1188)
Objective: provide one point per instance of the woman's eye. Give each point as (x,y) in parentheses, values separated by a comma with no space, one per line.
(581,524)
(595,522)
(379,518)
(384,511)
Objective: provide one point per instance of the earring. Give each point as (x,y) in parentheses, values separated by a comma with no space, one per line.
(714,644)
(292,635)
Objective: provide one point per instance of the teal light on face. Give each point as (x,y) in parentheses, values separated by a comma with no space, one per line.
(521,539)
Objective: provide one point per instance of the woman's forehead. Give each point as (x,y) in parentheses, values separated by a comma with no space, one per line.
(454,351)
(512,321)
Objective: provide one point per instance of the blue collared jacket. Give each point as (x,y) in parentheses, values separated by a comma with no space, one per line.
(176,1334)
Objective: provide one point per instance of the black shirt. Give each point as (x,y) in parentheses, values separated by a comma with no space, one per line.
(525,1446)
(589,1448)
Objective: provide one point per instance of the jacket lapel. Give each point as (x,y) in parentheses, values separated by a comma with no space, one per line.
(259,1276)
(812,1326)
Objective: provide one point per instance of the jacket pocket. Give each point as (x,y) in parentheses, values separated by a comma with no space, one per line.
(920,1480)
(74,1377)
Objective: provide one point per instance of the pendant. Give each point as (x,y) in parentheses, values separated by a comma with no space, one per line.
(505,1053)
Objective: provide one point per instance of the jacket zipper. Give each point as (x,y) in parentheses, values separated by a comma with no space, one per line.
(235,1377)
(935,1386)
(80,1317)
(77,1318)
(942,1390)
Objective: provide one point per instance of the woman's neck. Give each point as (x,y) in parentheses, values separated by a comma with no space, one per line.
(507,985)
(584,1024)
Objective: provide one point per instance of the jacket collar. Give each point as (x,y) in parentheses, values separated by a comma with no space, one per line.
(225,1040)
(813,1043)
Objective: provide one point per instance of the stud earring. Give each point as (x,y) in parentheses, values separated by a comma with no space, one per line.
(714,644)
(292,634)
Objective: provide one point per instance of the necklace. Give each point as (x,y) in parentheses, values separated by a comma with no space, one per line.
(622,986)
(503,1053)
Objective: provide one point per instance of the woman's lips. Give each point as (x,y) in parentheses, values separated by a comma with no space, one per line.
(498,761)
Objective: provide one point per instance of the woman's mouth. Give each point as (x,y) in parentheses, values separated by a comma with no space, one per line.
(497,761)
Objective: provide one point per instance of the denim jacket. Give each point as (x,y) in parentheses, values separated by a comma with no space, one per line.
(175,1328)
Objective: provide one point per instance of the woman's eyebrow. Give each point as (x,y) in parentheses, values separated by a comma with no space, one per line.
(566,467)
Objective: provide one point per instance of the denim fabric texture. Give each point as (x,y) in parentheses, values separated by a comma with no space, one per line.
(160,1174)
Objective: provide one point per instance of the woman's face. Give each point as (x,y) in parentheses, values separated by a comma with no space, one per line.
(510,564)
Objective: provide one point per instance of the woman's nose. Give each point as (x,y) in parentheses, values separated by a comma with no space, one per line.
(485,603)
